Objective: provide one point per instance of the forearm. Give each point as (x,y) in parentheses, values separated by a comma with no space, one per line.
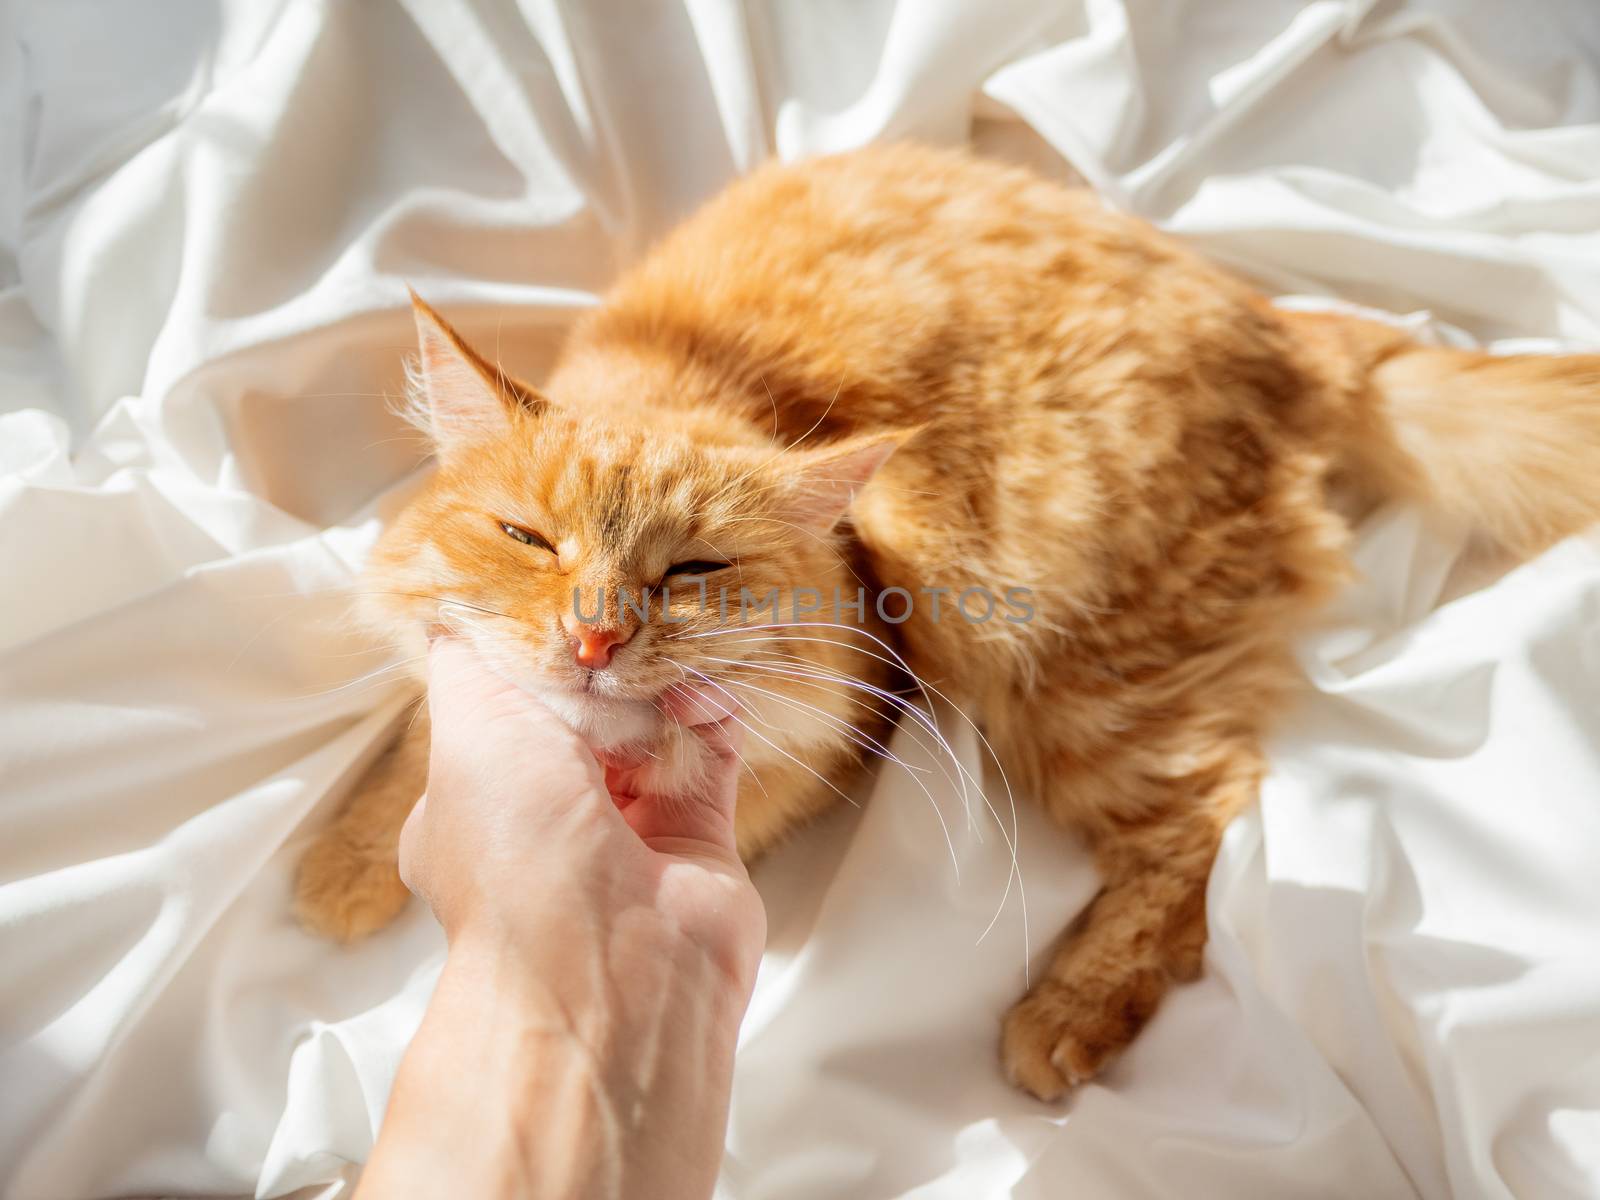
(604,1077)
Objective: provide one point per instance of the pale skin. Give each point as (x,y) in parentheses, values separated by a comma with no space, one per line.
(602,949)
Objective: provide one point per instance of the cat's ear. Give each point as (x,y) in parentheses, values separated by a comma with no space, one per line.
(825,481)
(457,397)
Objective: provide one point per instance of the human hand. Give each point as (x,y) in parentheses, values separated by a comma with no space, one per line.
(524,834)
(603,946)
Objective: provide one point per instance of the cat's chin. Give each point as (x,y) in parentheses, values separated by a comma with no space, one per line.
(604,722)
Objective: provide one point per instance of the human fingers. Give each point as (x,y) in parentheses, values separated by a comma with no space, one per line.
(698,703)
(702,815)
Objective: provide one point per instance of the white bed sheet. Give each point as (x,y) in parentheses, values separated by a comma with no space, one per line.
(210,212)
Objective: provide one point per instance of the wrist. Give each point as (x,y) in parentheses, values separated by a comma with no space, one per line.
(594,1066)
(601,981)
(608,994)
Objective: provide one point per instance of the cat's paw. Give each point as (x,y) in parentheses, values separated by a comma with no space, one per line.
(1062,1035)
(344,892)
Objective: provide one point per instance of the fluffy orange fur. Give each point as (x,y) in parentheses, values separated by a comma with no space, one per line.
(907,367)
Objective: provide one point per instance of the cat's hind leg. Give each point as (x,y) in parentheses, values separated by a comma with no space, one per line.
(348,884)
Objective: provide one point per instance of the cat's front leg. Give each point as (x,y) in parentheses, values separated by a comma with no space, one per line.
(1144,931)
(348,884)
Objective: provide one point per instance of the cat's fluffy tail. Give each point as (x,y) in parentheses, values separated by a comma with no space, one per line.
(1508,444)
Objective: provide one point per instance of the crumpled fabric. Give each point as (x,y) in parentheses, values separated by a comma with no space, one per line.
(210,212)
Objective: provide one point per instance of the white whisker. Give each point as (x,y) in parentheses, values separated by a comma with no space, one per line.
(867,742)
(704,678)
(895,659)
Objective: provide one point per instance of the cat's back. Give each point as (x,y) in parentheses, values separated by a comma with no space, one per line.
(936,202)
(882,241)
(909,281)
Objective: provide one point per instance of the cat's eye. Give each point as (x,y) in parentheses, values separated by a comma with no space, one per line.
(527,536)
(695,566)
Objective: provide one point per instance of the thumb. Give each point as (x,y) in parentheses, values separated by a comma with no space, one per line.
(464,690)
(490,737)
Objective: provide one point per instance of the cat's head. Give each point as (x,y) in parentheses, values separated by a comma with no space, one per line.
(538,510)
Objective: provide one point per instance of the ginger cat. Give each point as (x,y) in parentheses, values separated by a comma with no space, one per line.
(910,368)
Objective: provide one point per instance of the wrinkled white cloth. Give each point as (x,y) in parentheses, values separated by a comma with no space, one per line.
(209,214)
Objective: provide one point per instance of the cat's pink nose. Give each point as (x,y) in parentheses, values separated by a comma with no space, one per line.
(596,645)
